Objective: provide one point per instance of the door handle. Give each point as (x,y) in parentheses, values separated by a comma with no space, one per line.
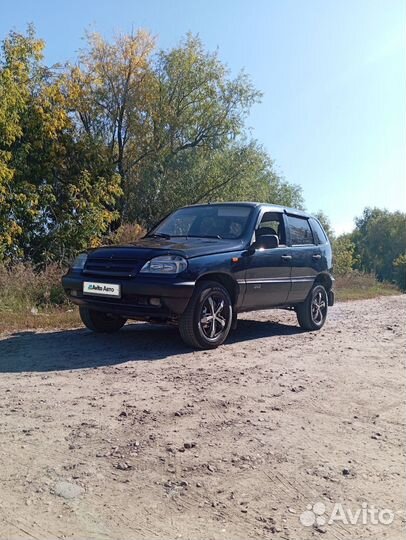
(316,257)
(286,257)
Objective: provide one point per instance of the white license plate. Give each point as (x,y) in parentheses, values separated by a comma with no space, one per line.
(112,290)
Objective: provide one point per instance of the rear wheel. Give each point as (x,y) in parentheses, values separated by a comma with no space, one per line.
(99,321)
(312,313)
(207,320)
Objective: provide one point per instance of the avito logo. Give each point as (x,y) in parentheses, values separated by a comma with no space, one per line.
(316,514)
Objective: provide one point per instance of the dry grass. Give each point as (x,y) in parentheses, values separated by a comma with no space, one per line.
(358,286)
(22,288)
(34,299)
(53,318)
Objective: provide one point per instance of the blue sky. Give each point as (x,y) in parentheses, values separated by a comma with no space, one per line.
(333,74)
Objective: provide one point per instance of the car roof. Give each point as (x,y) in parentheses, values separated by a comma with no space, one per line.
(267,206)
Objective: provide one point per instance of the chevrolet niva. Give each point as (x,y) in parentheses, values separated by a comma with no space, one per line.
(202,265)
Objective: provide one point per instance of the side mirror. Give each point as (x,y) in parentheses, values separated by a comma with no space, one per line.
(266,241)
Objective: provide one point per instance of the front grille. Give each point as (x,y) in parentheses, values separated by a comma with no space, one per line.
(107,266)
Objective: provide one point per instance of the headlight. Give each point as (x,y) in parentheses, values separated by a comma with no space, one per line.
(79,262)
(165,264)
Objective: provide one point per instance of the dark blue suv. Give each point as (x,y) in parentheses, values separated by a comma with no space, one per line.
(204,264)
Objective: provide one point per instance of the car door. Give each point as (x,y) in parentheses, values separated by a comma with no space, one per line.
(268,270)
(306,257)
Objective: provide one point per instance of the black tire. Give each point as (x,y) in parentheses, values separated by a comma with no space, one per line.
(312,313)
(99,321)
(197,326)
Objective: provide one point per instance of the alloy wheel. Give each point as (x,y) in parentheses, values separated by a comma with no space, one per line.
(318,308)
(213,316)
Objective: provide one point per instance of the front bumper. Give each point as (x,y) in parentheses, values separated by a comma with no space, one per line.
(136,293)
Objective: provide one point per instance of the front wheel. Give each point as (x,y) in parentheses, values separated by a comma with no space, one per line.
(99,321)
(312,313)
(207,320)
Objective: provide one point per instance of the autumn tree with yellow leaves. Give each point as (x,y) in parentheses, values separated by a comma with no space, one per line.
(127,133)
(57,186)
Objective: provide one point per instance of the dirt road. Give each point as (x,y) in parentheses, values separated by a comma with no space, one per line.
(135,436)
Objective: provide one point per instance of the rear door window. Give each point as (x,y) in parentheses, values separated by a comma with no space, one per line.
(300,231)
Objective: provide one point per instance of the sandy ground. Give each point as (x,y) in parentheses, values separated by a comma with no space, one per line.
(135,436)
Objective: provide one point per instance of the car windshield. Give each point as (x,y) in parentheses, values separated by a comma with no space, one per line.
(216,221)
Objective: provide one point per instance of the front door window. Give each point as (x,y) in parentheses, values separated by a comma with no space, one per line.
(272,223)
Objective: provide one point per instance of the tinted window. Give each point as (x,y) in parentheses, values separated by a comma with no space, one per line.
(319,234)
(300,231)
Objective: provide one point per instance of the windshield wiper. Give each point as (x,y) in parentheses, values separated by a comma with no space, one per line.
(205,236)
(159,235)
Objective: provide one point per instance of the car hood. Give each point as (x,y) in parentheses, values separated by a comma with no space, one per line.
(146,248)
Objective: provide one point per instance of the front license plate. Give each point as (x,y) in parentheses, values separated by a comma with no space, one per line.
(112,290)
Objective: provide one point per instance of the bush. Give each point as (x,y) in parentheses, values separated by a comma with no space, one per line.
(126,234)
(343,255)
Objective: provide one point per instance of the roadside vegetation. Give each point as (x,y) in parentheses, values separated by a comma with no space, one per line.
(360,286)
(97,150)
(33,299)
(375,249)
(41,302)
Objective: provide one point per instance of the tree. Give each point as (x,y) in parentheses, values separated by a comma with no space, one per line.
(400,271)
(110,93)
(343,255)
(57,187)
(379,238)
(236,173)
(124,135)
(183,132)
(18,70)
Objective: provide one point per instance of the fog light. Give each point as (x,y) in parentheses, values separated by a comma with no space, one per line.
(155,301)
